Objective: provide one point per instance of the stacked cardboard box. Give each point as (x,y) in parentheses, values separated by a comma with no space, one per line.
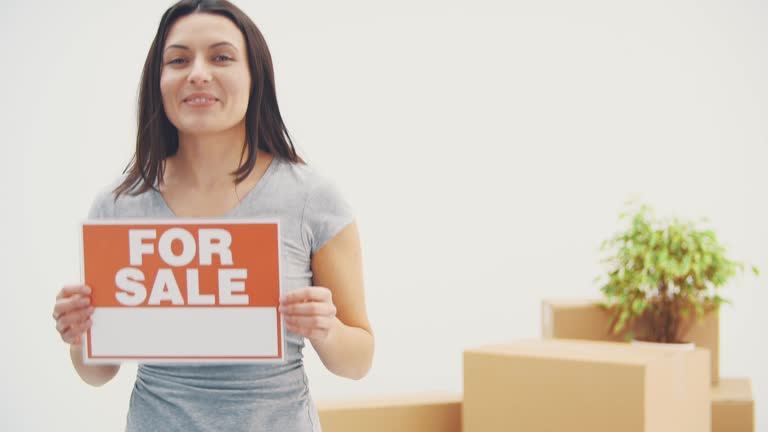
(560,385)
(434,412)
(733,409)
(732,404)
(598,383)
(575,319)
(586,319)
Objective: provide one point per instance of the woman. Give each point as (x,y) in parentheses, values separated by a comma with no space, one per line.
(211,143)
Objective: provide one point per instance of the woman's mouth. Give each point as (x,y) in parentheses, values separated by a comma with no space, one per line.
(200,101)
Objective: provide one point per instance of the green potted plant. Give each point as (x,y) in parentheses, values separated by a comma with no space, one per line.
(662,276)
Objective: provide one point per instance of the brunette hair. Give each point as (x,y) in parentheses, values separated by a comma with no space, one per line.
(157,138)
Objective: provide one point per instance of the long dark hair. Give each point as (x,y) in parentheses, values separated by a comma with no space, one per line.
(157,138)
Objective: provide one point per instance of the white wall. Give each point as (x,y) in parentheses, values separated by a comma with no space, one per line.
(486,146)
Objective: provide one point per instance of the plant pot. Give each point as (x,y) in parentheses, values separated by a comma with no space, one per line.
(685,346)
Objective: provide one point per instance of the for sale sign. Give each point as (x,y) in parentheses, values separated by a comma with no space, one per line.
(183,290)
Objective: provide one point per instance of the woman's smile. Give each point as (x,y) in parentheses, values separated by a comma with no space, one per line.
(200,100)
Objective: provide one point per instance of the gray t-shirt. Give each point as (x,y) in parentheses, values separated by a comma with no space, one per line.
(241,397)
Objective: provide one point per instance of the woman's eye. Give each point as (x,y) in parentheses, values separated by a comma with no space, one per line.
(223,58)
(176,61)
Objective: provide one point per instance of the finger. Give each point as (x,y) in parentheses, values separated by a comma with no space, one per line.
(70,304)
(63,327)
(75,317)
(70,290)
(311,308)
(307,294)
(304,331)
(308,333)
(308,322)
(71,334)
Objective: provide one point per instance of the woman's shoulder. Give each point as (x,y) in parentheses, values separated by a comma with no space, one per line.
(107,204)
(323,209)
(303,178)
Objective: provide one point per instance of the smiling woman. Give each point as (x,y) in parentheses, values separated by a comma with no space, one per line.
(201,47)
(211,143)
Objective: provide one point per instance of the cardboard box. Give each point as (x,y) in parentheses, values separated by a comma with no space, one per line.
(733,409)
(589,386)
(434,412)
(576,319)
(585,319)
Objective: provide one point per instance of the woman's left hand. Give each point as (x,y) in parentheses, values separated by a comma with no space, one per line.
(309,312)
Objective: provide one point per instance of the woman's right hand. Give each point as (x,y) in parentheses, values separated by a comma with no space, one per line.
(72,312)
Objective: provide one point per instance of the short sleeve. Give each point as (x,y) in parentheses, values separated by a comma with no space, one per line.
(325,214)
(97,209)
(103,204)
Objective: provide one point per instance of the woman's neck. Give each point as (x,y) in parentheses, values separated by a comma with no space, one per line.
(206,161)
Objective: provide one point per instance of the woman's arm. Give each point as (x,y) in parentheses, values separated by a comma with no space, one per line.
(72,313)
(332,314)
(95,375)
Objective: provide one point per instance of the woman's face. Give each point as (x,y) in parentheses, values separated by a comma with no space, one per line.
(205,81)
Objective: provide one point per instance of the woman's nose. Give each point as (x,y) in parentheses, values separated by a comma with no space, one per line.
(200,73)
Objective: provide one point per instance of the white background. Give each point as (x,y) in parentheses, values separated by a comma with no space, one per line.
(487,148)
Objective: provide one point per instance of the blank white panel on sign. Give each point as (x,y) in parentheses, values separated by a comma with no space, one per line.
(163,332)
